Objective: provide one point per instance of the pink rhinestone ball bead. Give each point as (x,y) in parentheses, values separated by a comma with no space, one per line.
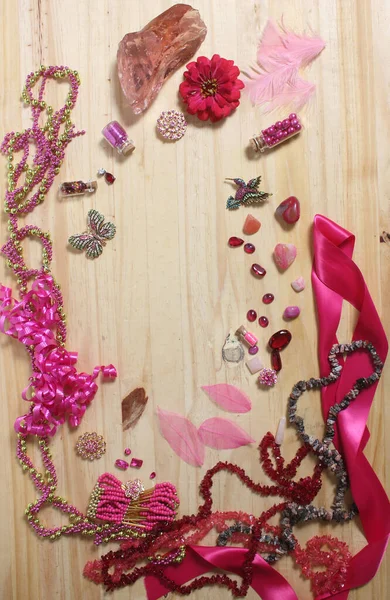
(172,125)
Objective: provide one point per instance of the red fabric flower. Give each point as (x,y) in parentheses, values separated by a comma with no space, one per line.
(211,88)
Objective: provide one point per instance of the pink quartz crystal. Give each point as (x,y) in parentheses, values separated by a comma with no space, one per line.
(284,255)
(148,57)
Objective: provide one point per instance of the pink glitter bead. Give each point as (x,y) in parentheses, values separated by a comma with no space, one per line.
(268,377)
(136,463)
(127,451)
(172,125)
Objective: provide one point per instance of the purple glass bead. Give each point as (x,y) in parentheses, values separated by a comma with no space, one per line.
(249,248)
(253,350)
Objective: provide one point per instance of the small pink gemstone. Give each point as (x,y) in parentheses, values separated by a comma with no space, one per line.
(291,312)
(263,322)
(249,248)
(253,350)
(127,451)
(268,298)
(234,242)
(251,315)
(298,285)
(122,464)
(152,475)
(136,462)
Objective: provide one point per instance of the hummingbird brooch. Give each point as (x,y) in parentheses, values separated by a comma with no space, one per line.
(247,193)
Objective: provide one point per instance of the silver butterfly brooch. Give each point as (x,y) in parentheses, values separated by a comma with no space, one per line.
(96,236)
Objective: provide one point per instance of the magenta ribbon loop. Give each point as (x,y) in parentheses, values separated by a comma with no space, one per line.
(57,392)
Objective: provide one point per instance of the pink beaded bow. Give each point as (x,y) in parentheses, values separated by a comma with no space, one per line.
(131,504)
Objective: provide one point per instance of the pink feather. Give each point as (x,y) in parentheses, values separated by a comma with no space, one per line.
(223,434)
(274,82)
(182,436)
(302,48)
(295,95)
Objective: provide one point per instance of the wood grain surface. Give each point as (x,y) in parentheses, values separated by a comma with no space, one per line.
(160,300)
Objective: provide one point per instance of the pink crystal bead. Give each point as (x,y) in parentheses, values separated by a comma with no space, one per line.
(258,270)
(234,242)
(263,321)
(268,298)
(127,451)
(251,315)
(291,312)
(249,248)
(136,463)
(253,350)
(152,475)
(122,464)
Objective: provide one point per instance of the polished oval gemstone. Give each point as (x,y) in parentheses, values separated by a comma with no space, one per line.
(276,361)
(258,270)
(289,210)
(280,339)
(253,350)
(291,312)
(249,248)
(268,298)
(251,315)
(234,242)
(263,322)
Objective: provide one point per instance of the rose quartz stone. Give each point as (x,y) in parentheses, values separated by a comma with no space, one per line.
(298,285)
(284,255)
(291,312)
(148,57)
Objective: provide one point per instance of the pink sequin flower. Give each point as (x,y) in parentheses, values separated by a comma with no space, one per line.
(172,125)
(268,377)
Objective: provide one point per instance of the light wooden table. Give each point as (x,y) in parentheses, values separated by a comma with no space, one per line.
(166,291)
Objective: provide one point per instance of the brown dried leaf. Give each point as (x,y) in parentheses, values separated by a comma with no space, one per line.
(133,405)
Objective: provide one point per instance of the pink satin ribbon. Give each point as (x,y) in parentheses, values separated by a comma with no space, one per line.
(335,278)
(58,392)
(267,582)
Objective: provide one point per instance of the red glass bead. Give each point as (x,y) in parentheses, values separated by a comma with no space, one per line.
(251,315)
(258,270)
(127,451)
(276,361)
(249,248)
(234,242)
(152,475)
(268,298)
(109,177)
(280,339)
(263,322)
(136,462)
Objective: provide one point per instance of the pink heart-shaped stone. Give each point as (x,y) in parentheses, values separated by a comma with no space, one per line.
(289,210)
(284,255)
